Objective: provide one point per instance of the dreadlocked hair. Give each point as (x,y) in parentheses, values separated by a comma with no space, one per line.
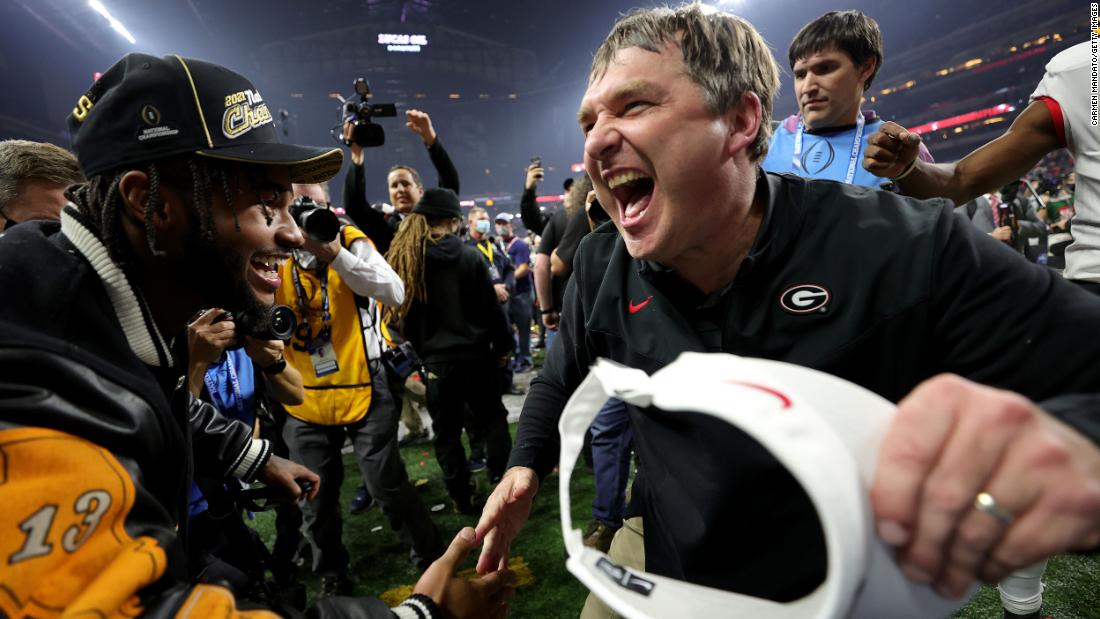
(101,204)
(407,255)
(98,200)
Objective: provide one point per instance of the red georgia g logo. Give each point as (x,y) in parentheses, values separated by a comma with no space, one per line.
(804,298)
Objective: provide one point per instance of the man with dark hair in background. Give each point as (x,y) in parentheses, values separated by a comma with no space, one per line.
(33,178)
(405,186)
(834,60)
(186,207)
(710,254)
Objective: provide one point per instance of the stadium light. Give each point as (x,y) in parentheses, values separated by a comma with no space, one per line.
(98,7)
(954,121)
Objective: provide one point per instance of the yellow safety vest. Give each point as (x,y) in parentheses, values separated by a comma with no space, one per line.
(342,397)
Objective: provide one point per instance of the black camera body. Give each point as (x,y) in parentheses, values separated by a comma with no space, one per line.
(321,224)
(277,323)
(364,131)
(402,360)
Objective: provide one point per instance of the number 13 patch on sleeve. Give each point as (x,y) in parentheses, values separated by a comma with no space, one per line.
(63,546)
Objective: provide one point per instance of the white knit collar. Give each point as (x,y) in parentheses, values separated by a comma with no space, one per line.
(130,307)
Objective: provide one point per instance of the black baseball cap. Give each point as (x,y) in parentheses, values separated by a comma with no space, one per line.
(146,108)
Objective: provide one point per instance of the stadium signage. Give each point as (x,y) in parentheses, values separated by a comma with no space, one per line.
(403,42)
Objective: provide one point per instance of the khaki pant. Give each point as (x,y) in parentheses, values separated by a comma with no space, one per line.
(410,405)
(627,550)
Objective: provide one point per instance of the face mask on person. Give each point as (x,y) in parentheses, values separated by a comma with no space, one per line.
(482,226)
(502,230)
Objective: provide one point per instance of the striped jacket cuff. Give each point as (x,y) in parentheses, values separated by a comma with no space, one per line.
(418,606)
(251,460)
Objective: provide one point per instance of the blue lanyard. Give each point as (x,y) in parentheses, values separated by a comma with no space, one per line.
(303,301)
(234,384)
(856,143)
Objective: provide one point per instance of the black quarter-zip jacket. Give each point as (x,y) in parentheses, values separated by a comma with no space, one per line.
(879,289)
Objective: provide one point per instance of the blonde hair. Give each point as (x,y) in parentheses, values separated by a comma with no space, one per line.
(578,193)
(22,160)
(407,255)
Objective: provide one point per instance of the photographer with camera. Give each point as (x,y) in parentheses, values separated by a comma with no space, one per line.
(405,186)
(336,284)
(217,345)
(235,366)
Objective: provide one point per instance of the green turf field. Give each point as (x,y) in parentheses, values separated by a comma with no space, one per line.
(380,564)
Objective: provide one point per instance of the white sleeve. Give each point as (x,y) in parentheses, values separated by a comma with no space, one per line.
(1066,82)
(368,274)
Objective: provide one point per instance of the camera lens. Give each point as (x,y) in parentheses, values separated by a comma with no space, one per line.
(321,224)
(283,322)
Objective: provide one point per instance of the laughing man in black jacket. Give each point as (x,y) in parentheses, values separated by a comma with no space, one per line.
(709,254)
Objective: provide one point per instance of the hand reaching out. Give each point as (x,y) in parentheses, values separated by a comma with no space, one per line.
(421,124)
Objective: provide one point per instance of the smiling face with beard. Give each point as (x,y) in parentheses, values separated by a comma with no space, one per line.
(214,268)
(238,268)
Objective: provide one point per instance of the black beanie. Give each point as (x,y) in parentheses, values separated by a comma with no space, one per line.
(438,204)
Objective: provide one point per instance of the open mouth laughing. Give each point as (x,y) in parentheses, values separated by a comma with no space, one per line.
(265,267)
(633,191)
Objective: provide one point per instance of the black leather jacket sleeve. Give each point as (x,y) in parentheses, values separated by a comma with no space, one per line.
(223,447)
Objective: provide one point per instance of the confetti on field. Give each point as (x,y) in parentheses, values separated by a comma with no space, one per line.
(376,529)
(524,578)
(438,507)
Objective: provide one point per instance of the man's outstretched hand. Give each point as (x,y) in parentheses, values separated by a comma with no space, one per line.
(505,513)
